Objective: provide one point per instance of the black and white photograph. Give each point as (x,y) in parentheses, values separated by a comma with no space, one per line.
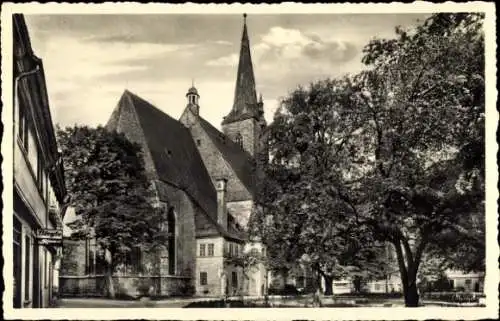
(336,159)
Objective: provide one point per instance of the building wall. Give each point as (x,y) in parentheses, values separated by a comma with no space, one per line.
(215,163)
(34,262)
(211,265)
(470,282)
(241,211)
(185,210)
(389,285)
(249,131)
(26,184)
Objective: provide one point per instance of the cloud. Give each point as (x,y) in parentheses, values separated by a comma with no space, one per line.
(223,42)
(231,60)
(294,46)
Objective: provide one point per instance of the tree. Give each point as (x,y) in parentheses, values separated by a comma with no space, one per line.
(302,210)
(106,180)
(424,104)
(395,152)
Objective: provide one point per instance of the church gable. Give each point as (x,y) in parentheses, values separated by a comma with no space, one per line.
(174,157)
(223,158)
(124,120)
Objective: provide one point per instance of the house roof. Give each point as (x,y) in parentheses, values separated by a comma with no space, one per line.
(240,160)
(174,154)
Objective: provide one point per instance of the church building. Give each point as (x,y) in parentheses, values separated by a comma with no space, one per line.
(205,182)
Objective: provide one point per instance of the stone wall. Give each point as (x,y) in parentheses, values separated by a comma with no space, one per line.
(185,210)
(125,286)
(249,131)
(241,211)
(216,164)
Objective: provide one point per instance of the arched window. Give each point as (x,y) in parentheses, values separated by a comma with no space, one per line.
(171,241)
(239,140)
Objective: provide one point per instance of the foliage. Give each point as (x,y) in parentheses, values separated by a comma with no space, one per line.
(424,101)
(393,154)
(109,189)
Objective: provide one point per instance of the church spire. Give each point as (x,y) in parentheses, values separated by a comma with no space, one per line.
(245,97)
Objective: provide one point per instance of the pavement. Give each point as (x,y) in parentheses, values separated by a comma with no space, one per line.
(108,303)
(184,302)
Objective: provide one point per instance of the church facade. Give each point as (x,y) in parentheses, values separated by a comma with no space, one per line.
(205,182)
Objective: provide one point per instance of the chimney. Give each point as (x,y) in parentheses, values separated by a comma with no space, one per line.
(221,202)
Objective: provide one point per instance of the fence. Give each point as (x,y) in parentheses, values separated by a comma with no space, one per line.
(459,297)
(125,286)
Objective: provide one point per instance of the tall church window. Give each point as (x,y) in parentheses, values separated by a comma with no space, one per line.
(239,140)
(171,241)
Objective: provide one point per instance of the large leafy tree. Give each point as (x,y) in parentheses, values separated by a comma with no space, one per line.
(423,99)
(395,152)
(302,207)
(110,192)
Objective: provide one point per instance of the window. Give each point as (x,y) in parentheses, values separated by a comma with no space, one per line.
(235,279)
(202,249)
(23,127)
(210,250)
(203,278)
(171,242)
(198,142)
(236,249)
(27,283)
(231,249)
(377,287)
(239,140)
(40,176)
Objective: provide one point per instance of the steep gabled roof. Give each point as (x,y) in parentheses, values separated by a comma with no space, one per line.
(240,160)
(175,158)
(174,154)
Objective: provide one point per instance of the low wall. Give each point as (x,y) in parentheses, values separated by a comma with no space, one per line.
(125,286)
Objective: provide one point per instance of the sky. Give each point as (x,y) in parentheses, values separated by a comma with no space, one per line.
(89,60)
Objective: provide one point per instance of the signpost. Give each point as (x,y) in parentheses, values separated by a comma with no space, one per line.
(49,237)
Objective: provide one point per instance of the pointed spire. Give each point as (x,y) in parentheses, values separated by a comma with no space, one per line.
(245,97)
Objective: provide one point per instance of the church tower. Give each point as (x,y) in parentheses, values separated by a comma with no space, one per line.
(245,122)
(192,110)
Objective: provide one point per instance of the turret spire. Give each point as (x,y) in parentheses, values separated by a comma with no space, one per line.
(245,97)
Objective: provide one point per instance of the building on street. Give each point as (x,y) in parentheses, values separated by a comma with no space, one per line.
(205,183)
(39,189)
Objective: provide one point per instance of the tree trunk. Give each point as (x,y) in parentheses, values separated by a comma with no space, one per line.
(411,295)
(284,274)
(109,281)
(357,284)
(328,284)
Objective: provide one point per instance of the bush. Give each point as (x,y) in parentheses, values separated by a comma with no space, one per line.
(458,297)
(288,289)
